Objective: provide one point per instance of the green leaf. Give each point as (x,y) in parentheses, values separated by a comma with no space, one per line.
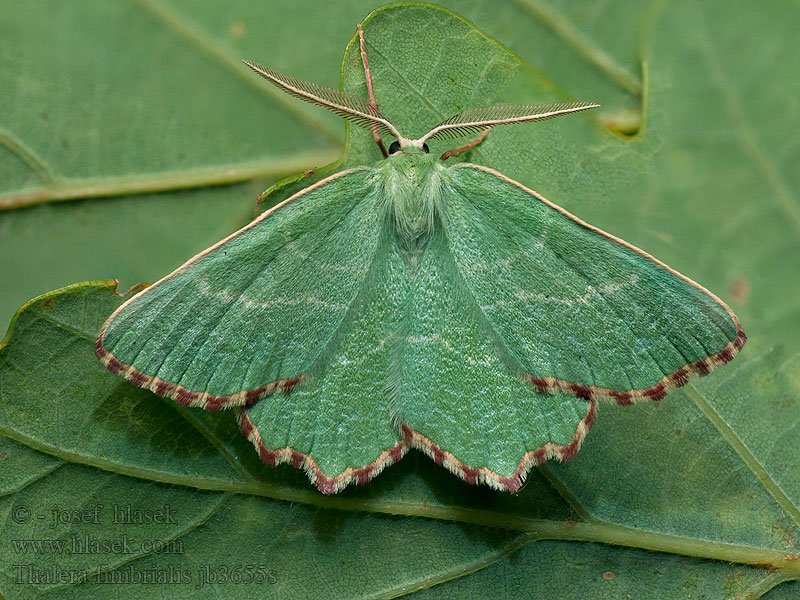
(81,413)
(707,185)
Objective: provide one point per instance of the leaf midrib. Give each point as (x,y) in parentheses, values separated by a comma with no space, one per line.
(539,529)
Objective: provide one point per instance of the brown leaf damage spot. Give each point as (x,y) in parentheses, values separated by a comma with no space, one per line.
(237,29)
(739,290)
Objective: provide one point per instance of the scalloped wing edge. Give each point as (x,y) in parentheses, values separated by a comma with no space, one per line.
(530,459)
(300,460)
(414,439)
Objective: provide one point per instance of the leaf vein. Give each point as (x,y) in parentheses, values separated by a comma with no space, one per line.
(738,446)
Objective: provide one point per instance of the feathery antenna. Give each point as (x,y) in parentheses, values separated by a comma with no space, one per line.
(346,106)
(475,120)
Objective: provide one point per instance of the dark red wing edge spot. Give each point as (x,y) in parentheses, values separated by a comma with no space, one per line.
(570,451)
(740,340)
(581,391)
(245,426)
(539,384)
(408,435)
(701,367)
(184,396)
(99,351)
(470,475)
(512,484)
(657,392)
(622,398)
(325,485)
(213,403)
(681,376)
(115,366)
(253,396)
(726,355)
(297,459)
(288,385)
(139,379)
(267,457)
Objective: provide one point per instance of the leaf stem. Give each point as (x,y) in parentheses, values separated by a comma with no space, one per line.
(71,189)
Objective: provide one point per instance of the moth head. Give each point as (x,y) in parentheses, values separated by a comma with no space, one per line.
(408,147)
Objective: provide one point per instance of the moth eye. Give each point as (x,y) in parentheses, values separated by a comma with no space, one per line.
(395,147)
(425,148)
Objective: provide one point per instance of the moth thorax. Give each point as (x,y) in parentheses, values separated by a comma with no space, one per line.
(413,189)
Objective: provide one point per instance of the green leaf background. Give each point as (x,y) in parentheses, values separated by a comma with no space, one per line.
(131,137)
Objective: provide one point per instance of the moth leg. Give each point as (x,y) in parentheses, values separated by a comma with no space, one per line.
(470,146)
(372,102)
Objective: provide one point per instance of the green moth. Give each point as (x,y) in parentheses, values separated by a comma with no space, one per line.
(418,303)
